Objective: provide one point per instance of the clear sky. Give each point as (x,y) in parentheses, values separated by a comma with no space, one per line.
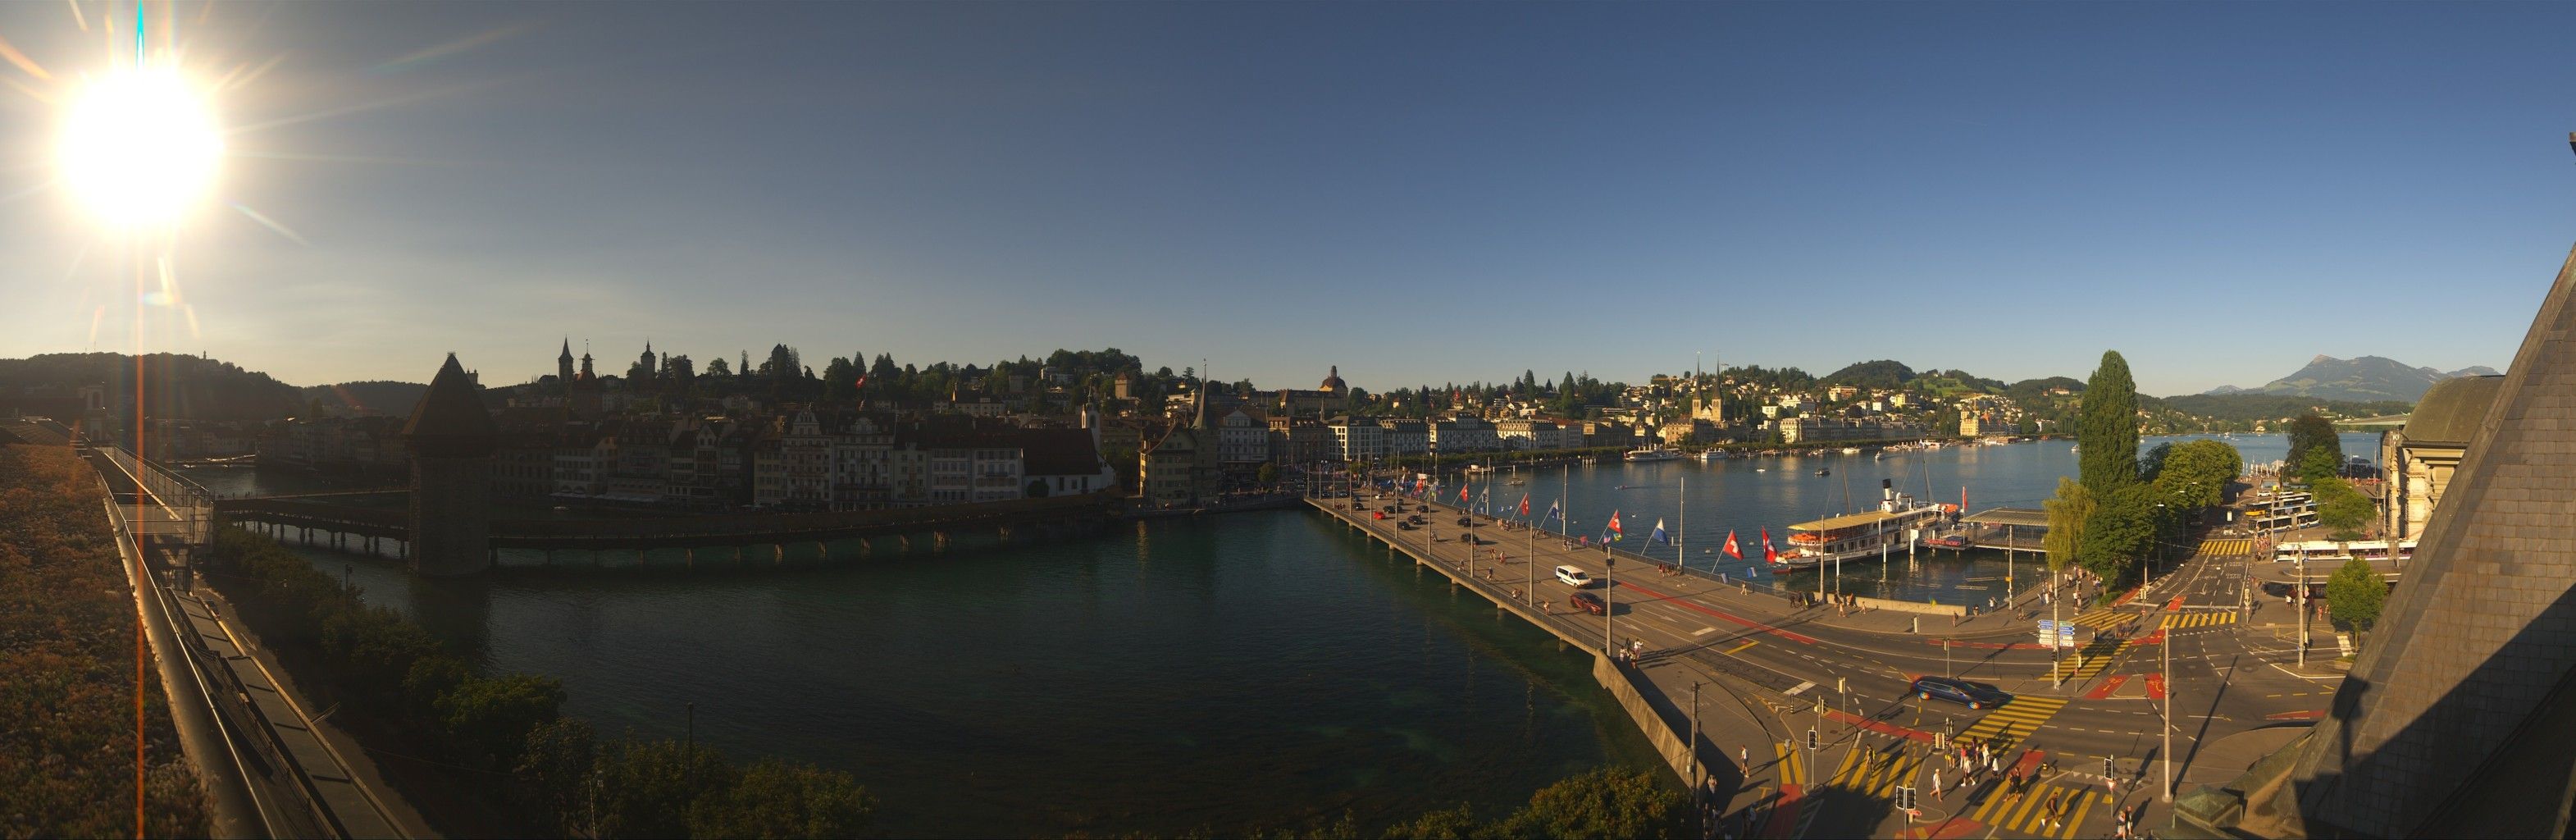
(1415,192)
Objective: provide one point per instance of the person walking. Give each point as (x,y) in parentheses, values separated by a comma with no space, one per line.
(1936,785)
(1744,755)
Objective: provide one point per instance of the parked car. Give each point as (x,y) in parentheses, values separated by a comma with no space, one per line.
(1590,603)
(1976,695)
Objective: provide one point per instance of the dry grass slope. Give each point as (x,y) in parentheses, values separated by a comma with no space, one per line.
(67,668)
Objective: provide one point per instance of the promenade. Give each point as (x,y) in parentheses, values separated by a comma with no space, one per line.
(1769,665)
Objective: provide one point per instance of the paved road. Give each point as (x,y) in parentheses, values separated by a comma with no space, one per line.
(1780,662)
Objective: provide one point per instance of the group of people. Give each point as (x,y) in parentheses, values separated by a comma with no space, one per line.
(1974,761)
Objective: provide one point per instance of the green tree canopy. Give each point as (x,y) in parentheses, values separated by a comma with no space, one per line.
(2067,514)
(2313,440)
(2339,506)
(1607,802)
(2123,528)
(2196,473)
(2109,428)
(2356,593)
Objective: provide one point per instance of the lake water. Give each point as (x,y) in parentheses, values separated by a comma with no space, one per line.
(1231,673)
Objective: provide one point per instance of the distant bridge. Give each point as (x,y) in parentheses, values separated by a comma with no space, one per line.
(372,524)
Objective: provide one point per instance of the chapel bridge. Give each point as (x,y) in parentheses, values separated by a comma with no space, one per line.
(1050,515)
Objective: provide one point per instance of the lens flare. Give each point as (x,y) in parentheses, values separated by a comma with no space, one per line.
(139,147)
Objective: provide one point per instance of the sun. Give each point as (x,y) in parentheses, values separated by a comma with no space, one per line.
(139,147)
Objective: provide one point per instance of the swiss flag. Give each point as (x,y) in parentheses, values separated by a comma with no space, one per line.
(1769,555)
(1462,493)
(1731,551)
(1524,504)
(1614,523)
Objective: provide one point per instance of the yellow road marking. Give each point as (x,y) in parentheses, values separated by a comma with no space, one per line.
(1747,643)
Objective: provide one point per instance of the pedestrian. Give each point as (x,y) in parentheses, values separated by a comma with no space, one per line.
(1936,785)
(1743,755)
(2055,804)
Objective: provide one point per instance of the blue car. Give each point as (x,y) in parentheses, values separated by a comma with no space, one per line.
(1976,695)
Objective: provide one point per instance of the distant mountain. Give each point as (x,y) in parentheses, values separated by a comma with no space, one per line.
(371,397)
(2365,379)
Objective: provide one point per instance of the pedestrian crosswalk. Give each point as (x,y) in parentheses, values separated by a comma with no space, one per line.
(2227,547)
(2007,726)
(1793,771)
(2185,621)
(2095,656)
(2028,812)
(2102,619)
(1880,771)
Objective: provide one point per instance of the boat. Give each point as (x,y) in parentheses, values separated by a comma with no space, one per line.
(1858,535)
(1827,471)
(1516,482)
(1712,454)
(1654,453)
(1954,540)
(1478,469)
(1851,450)
(1761,469)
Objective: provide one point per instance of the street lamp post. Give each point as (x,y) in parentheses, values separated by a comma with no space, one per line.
(1609,582)
(2170,691)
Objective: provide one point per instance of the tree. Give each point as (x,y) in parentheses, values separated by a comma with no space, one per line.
(1457,823)
(2356,593)
(2067,515)
(2319,465)
(2311,434)
(1607,802)
(2152,465)
(1268,475)
(773,798)
(719,367)
(489,719)
(2109,428)
(2339,506)
(2121,530)
(2196,473)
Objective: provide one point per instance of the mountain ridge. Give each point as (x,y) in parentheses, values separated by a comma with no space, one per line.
(2358,379)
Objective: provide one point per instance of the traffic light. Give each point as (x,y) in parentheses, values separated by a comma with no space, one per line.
(2110,769)
(1940,740)
(1811,739)
(1904,799)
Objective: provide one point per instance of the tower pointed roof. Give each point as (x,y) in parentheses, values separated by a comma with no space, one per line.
(567,351)
(449,419)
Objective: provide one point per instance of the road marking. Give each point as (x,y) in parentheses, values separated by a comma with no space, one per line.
(2018,718)
(1747,643)
(1793,690)
(1704,631)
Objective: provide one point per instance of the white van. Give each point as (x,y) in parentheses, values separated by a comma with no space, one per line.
(1573,577)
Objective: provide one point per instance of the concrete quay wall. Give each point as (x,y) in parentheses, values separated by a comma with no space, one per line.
(1645,702)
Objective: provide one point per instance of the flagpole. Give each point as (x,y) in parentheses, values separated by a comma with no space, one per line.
(1681,556)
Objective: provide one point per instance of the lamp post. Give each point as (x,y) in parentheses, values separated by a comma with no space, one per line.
(2170,691)
(1609,582)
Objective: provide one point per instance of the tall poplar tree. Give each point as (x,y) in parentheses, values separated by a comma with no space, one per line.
(2109,431)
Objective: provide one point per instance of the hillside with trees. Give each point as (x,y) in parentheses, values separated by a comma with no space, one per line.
(170,385)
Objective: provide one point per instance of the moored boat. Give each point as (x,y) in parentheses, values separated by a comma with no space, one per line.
(1893,526)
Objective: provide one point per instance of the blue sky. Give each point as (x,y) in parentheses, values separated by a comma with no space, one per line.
(1414,192)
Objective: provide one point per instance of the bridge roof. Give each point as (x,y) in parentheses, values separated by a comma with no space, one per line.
(2017,517)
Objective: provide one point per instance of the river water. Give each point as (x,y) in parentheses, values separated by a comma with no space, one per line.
(1227,674)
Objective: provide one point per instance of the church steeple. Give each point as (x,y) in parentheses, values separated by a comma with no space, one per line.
(563,363)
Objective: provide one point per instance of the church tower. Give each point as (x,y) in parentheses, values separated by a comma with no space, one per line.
(451,439)
(563,368)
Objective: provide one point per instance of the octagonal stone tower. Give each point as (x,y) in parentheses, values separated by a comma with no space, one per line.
(451,439)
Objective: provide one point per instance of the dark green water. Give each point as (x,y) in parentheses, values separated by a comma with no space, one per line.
(1233,673)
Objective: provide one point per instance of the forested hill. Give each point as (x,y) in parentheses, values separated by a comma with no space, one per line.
(369,397)
(171,385)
